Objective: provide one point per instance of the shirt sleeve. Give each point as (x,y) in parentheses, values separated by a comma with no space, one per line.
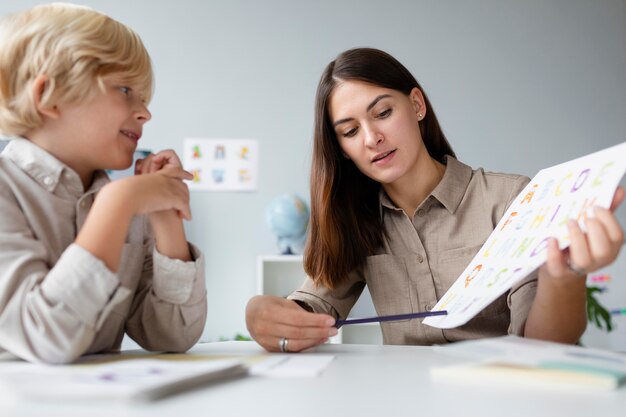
(520,300)
(169,310)
(49,314)
(336,302)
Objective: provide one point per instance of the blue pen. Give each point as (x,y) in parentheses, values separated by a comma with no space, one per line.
(395,317)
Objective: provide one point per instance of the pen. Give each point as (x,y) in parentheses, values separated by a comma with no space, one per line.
(395,317)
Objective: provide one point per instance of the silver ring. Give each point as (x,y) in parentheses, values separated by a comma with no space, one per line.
(576,269)
(283,344)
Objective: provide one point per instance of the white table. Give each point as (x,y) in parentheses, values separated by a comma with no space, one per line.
(363,380)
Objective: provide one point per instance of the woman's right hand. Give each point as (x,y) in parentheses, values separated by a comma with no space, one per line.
(271,318)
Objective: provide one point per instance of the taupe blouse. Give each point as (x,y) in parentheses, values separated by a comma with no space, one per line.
(424,254)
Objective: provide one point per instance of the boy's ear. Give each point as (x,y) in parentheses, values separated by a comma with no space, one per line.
(38,89)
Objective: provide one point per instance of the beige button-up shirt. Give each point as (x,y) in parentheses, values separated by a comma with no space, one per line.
(58,301)
(424,254)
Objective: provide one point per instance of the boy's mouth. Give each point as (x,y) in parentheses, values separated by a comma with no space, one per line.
(130,134)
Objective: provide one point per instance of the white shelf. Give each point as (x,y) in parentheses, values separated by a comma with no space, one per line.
(280,275)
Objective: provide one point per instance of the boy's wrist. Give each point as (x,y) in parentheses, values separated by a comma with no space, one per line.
(118,194)
(169,235)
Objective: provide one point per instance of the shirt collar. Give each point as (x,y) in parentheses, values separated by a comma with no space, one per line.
(46,170)
(450,190)
(453,185)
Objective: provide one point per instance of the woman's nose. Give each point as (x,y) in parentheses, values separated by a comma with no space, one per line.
(372,137)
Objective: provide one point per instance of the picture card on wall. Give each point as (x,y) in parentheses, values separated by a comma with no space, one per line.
(222,164)
(518,244)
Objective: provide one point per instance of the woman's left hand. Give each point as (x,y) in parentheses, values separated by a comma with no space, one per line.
(589,251)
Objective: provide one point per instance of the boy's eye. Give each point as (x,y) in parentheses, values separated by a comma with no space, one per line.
(125,90)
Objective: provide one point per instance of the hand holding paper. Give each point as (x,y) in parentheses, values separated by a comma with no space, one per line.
(518,244)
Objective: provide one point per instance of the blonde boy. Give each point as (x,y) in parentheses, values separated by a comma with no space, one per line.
(84,260)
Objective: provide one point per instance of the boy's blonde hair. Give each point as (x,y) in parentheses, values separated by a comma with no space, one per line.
(77,48)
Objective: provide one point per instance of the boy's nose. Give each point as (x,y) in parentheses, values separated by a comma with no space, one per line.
(143,114)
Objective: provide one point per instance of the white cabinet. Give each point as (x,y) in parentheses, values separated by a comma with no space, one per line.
(280,275)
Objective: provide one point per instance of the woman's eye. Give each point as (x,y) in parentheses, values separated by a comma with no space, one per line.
(384,113)
(350,133)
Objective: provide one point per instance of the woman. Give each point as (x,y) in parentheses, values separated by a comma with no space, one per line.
(391,208)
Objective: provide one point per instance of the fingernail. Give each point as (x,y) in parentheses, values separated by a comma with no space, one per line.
(330,322)
(333,332)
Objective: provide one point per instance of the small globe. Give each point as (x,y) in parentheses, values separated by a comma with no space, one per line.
(287,216)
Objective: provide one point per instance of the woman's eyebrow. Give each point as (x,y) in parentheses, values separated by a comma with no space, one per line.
(376,100)
(369,107)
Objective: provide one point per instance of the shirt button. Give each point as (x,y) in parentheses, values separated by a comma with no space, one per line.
(420,258)
(47,180)
(421,212)
(83,204)
(428,307)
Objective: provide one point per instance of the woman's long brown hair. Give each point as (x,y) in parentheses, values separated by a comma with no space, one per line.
(346,224)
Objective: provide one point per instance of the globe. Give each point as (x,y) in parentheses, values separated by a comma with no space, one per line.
(287,216)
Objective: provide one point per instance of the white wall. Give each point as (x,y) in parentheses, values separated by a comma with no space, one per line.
(517,85)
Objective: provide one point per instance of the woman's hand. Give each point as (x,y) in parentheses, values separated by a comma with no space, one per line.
(270,318)
(559,312)
(589,251)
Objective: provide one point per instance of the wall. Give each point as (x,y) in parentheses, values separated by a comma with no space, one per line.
(517,86)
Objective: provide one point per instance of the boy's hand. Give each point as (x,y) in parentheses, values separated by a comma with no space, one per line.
(155,162)
(166,222)
(160,191)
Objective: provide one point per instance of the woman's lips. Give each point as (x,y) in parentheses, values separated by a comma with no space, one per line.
(383,157)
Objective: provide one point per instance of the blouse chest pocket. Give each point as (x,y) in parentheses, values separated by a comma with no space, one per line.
(387,279)
(451,264)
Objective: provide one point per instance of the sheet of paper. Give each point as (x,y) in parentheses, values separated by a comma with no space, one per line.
(222,164)
(512,361)
(517,246)
(292,366)
(132,379)
(523,351)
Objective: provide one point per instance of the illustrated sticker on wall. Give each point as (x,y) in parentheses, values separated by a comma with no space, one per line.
(228,164)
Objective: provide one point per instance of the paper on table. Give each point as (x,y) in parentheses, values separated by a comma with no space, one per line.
(301,365)
(132,379)
(512,360)
(517,246)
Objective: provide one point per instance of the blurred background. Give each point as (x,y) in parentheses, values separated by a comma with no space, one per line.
(517,86)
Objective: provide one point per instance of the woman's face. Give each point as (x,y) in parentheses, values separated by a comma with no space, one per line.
(378,129)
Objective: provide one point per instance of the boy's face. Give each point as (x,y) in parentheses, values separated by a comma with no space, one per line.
(102,133)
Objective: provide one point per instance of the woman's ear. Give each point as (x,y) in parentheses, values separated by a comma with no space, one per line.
(38,89)
(419,104)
